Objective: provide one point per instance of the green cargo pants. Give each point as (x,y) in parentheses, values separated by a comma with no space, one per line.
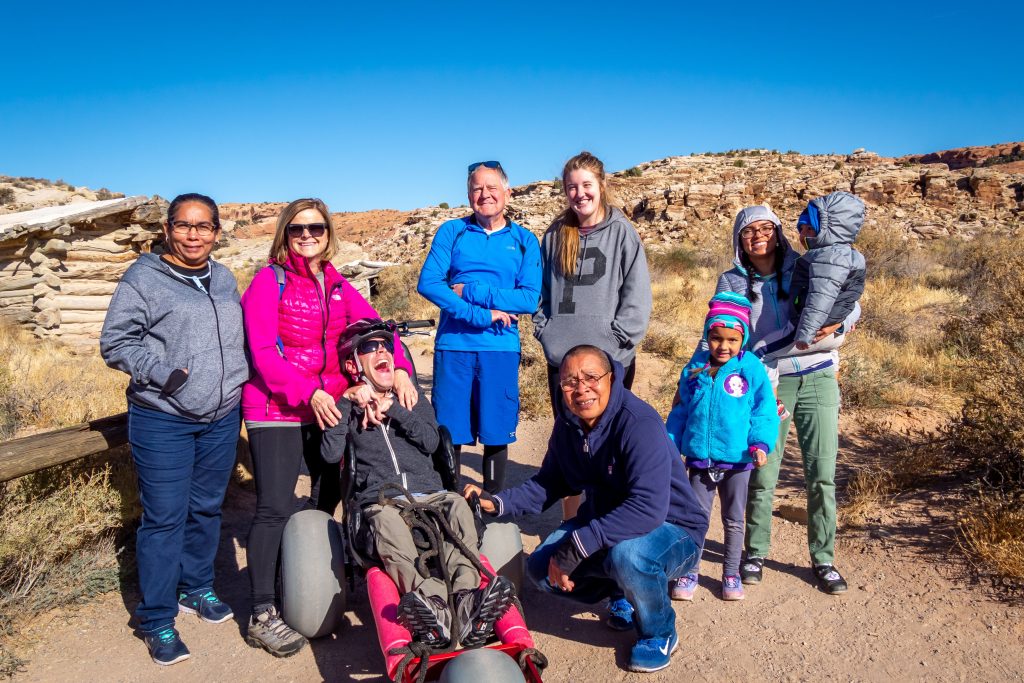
(813,399)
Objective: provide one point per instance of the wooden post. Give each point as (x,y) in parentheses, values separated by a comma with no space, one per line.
(19,457)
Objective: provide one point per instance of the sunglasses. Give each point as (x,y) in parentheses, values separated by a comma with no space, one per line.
(373,345)
(314,229)
(485,164)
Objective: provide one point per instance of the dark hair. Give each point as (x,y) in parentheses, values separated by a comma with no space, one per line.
(587,349)
(193,197)
(780,259)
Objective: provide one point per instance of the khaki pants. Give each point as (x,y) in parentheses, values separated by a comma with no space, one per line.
(397,551)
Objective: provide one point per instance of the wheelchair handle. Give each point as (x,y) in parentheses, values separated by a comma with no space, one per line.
(406,325)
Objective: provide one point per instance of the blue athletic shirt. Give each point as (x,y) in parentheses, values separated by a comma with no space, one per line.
(500,271)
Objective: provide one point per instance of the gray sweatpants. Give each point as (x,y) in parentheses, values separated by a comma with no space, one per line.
(733,492)
(397,551)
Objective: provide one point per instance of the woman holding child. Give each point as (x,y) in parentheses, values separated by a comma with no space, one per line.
(295,311)
(807,387)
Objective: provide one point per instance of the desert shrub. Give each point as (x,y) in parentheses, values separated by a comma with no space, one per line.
(837,166)
(739,163)
(103,194)
(396,297)
(634,172)
(6,195)
(992,533)
(534,400)
(443,205)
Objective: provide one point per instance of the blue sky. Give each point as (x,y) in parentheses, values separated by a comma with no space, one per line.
(383,108)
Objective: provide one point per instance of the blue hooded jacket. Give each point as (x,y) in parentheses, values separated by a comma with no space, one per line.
(632,474)
(718,419)
(500,271)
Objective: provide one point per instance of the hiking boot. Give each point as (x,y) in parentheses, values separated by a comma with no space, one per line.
(479,609)
(732,587)
(620,615)
(652,654)
(684,587)
(165,646)
(829,580)
(206,604)
(268,631)
(752,570)
(428,619)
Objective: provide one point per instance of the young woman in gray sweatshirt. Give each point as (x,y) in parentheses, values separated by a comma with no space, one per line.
(595,288)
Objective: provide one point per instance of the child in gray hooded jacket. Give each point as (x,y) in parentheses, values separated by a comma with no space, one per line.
(828,279)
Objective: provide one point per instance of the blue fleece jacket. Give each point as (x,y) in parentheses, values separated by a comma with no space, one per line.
(632,474)
(718,420)
(499,271)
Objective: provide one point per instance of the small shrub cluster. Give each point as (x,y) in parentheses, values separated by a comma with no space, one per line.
(396,297)
(990,428)
(443,205)
(634,172)
(6,195)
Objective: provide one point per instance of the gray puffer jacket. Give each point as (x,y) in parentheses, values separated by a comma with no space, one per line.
(828,279)
(157,323)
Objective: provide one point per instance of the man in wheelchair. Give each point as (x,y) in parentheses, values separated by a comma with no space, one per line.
(392,448)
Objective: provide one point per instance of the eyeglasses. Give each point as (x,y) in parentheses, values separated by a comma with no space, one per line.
(184,227)
(589,381)
(373,345)
(485,164)
(314,229)
(762,231)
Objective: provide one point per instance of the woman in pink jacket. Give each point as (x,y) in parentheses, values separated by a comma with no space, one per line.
(295,311)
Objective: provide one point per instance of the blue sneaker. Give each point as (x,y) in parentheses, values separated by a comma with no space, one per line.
(206,604)
(652,654)
(165,646)
(620,615)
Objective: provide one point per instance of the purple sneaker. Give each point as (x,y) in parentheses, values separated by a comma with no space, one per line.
(684,587)
(732,587)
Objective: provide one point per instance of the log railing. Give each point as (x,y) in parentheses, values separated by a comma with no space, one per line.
(29,454)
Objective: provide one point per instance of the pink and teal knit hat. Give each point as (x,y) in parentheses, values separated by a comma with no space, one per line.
(728,309)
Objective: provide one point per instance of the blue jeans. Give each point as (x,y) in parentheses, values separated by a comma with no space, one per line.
(183,470)
(640,568)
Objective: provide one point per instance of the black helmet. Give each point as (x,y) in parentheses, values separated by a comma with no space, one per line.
(360,331)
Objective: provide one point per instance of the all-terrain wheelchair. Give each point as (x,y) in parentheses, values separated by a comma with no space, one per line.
(320,560)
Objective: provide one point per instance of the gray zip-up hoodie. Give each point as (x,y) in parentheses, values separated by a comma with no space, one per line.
(606,302)
(156,324)
(396,452)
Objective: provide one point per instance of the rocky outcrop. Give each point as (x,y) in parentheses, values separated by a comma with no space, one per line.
(695,198)
(969,157)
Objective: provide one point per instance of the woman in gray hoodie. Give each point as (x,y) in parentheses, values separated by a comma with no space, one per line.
(175,325)
(595,289)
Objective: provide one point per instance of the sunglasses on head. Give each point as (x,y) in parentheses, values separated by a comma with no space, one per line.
(485,164)
(314,229)
(372,345)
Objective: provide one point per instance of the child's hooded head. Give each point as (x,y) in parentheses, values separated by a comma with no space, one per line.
(730,311)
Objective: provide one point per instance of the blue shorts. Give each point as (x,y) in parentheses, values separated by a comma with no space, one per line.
(476,395)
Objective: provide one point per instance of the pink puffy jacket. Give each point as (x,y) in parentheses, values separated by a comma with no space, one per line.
(280,388)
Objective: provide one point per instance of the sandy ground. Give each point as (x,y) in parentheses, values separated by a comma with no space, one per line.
(910,612)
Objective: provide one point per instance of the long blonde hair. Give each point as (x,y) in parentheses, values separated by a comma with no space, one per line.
(567,225)
(279,247)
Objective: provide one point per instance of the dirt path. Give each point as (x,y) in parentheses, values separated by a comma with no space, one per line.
(909,613)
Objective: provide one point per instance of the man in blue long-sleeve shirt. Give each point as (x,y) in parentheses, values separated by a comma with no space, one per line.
(640,525)
(482,272)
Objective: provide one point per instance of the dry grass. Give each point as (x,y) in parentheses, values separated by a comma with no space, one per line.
(992,532)
(681,285)
(44,386)
(396,295)
(58,542)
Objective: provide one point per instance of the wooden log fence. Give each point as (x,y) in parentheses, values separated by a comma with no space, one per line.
(29,454)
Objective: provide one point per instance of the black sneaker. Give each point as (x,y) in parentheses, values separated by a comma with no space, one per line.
(427,618)
(165,646)
(829,579)
(752,570)
(479,609)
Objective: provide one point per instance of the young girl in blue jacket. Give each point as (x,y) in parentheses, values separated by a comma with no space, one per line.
(724,422)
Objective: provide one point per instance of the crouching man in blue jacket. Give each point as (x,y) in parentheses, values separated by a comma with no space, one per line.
(640,526)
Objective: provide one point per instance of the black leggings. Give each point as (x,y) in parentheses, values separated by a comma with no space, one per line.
(555,391)
(495,460)
(277,455)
